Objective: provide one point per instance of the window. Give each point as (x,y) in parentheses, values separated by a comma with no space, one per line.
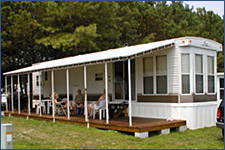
(46,76)
(148,75)
(199,73)
(221,88)
(161,74)
(185,73)
(211,84)
(37,80)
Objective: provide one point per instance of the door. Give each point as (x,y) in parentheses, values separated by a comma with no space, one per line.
(119,80)
(121,91)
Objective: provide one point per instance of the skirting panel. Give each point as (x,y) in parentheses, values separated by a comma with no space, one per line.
(197,115)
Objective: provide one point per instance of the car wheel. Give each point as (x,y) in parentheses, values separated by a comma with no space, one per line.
(223,132)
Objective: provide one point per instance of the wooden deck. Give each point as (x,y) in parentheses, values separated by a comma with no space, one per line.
(118,124)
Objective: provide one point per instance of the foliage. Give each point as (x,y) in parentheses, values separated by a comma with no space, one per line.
(44,30)
(34,134)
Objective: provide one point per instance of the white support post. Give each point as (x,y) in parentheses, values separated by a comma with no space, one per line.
(40,90)
(68,95)
(106,93)
(28,92)
(124,82)
(18,92)
(179,76)
(6,92)
(129,81)
(85,92)
(12,93)
(53,96)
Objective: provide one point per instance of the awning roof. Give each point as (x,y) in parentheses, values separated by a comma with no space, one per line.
(97,57)
(117,54)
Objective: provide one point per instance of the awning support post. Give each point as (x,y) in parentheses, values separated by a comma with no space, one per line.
(12,93)
(53,96)
(40,90)
(6,92)
(106,93)
(85,92)
(18,92)
(68,95)
(28,92)
(129,81)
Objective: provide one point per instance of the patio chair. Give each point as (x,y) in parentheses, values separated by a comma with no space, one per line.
(101,112)
(39,106)
(60,107)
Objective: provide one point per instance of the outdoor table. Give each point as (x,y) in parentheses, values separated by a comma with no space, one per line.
(117,108)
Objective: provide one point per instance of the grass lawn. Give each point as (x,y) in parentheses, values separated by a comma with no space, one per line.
(35,134)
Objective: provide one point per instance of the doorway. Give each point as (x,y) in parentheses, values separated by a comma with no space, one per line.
(121,91)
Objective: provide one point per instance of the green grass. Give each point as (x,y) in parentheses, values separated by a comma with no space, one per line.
(35,134)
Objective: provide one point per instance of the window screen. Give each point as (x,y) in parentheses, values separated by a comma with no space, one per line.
(148,75)
(210,66)
(199,73)
(199,83)
(185,73)
(161,74)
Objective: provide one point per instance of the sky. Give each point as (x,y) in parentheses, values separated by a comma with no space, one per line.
(216,6)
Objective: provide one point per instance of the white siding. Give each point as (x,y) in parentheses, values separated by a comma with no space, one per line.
(197,115)
(60,81)
(76,80)
(139,74)
(46,89)
(173,70)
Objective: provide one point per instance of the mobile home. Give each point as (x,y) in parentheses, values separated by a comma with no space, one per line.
(173,78)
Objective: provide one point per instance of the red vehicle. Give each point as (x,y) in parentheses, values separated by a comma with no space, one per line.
(220,117)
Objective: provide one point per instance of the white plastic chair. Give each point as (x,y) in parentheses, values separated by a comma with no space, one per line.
(41,104)
(101,111)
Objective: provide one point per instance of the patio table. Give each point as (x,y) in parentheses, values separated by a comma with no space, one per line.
(48,101)
(117,108)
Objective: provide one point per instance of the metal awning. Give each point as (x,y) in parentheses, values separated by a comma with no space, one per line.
(111,55)
(118,54)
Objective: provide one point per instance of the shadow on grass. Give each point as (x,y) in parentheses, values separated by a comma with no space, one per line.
(154,133)
(122,132)
(221,139)
(151,133)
